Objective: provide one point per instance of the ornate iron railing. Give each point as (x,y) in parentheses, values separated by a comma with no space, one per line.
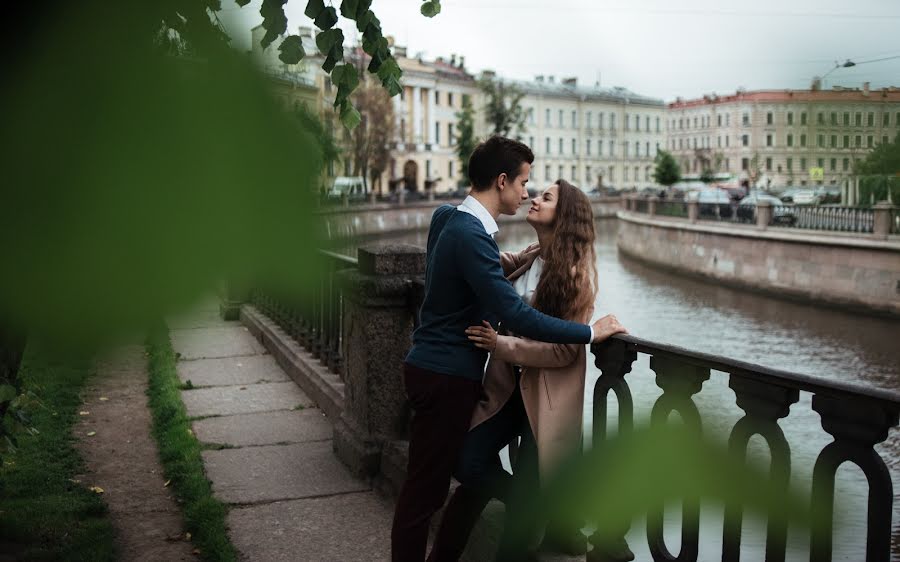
(838,219)
(858,418)
(316,320)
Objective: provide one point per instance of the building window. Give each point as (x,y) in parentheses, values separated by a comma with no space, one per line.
(450,99)
(437,97)
(612,121)
(833,164)
(857,119)
(547,145)
(647,123)
(530,113)
(833,118)
(727,165)
(680,146)
(560,169)
(803,164)
(846,119)
(600,148)
(745,140)
(589,121)
(802,140)
(769,118)
(897,119)
(547,173)
(587,147)
(820,118)
(657,124)
(681,123)
(726,141)
(625,174)
(719,142)
(745,164)
(820,141)
(719,120)
(768,164)
(845,164)
(546,117)
(627,122)
(600,121)
(452,141)
(870,141)
(561,149)
(884,139)
(574,147)
(769,139)
(790,164)
(625,148)
(450,169)
(437,133)
(790,140)
(870,119)
(803,118)
(790,118)
(612,148)
(647,149)
(833,143)
(727,119)
(560,118)
(587,175)
(820,162)
(846,141)
(530,140)
(574,121)
(886,119)
(637,149)
(858,141)
(574,174)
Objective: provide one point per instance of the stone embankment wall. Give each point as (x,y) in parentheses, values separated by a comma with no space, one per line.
(851,271)
(378,219)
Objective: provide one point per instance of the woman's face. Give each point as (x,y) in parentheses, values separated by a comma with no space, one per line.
(543,208)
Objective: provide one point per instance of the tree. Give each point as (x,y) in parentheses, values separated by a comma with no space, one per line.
(503,110)
(322,133)
(885,159)
(666,172)
(465,140)
(370,142)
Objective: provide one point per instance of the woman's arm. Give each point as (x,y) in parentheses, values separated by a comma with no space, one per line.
(531,353)
(511,261)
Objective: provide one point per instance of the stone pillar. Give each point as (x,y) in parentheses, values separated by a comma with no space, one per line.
(430,118)
(345,199)
(417,115)
(431,193)
(884,216)
(693,208)
(764,213)
(651,205)
(378,321)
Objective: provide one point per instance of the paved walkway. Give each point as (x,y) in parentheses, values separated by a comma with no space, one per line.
(270,453)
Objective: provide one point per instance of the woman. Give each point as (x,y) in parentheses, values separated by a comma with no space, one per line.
(531,389)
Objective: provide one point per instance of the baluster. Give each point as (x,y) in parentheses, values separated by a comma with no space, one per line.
(679,382)
(614,359)
(763,405)
(857,425)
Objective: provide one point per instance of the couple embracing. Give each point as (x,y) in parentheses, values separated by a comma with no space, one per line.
(540,300)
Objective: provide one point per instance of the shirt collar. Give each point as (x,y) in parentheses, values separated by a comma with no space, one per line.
(475,208)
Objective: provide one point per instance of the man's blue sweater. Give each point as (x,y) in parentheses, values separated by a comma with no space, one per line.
(464,284)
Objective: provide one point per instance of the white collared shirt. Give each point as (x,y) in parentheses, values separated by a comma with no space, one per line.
(476,209)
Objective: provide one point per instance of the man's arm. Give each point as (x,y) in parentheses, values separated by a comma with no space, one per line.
(479,261)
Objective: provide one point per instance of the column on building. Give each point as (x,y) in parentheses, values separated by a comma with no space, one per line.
(430,117)
(417,114)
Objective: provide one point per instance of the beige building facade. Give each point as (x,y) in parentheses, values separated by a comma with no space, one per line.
(781,138)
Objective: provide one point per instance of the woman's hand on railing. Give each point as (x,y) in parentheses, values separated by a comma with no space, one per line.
(606,327)
(484,336)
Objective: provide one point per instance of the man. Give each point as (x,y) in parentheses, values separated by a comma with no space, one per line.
(464,284)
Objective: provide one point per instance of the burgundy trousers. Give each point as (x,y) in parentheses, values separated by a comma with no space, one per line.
(442,411)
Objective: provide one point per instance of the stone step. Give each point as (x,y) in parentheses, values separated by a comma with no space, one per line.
(278,472)
(266,428)
(230,400)
(226,371)
(207,343)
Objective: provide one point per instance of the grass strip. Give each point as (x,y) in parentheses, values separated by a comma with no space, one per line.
(45,512)
(179,451)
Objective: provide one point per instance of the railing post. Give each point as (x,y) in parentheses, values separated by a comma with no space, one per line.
(651,205)
(764,212)
(884,215)
(693,210)
(377,325)
(628,203)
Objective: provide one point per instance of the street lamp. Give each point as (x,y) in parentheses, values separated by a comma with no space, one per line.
(846,64)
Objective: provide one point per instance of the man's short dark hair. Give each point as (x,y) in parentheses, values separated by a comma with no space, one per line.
(495,156)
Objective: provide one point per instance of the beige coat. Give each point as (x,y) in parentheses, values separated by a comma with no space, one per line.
(552,381)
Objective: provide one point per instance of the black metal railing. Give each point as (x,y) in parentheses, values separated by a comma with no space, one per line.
(858,418)
(671,208)
(836,219)
(640,205)
(314,320)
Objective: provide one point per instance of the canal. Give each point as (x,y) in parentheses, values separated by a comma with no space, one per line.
(803,338)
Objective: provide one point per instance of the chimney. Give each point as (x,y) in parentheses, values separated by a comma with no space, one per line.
(305,32)
(453,59)
(399,52)
(816,84)
(865,88)
(551,79)
(439,59)
(570,82)
(488,74)
(539,78)
(462,61)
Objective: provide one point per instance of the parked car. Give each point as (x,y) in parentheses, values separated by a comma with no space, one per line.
(714,203)
(787,196)
(354,187)
(806,197)
(829,194)
(781,214)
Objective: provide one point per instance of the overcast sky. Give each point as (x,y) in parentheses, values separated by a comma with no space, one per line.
(658,48)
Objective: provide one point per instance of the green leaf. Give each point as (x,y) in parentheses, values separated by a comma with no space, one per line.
(375,63)
(346,75)
(327,40)
(327,18)
(7,392)
(349,8)
(392,85)
(431,9)
(291,50)
(389,68)
(314,8)
(362,21)
(350,117)
(242,3)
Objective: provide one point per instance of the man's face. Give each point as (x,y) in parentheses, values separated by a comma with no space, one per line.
(513,191)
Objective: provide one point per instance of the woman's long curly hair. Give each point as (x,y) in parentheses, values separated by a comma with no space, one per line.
(568,283)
